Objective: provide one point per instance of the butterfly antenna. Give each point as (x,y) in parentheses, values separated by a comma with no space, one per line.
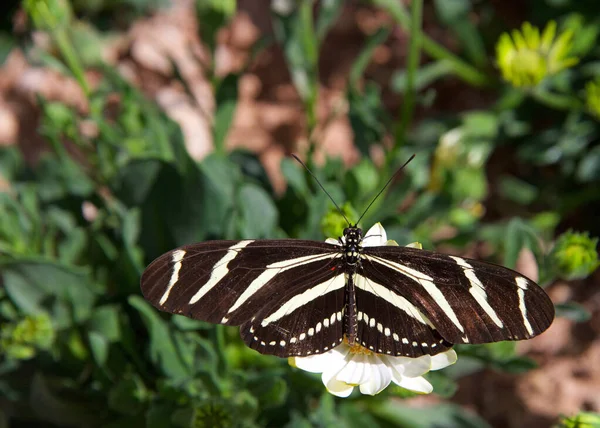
(321,186)
(386,185)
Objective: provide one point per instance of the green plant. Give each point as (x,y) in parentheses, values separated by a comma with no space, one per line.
(77,231)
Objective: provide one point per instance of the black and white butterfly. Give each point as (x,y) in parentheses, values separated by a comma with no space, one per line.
(297,298)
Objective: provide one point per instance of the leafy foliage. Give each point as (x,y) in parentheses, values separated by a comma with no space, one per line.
(78,230)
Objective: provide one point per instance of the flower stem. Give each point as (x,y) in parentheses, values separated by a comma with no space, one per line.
(462,69)
(310,43)
(71,59)
(554,100)
(412,64)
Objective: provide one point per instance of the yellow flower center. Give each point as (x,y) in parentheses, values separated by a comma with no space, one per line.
(357,348)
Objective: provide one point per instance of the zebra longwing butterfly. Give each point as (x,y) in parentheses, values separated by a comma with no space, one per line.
(297,298)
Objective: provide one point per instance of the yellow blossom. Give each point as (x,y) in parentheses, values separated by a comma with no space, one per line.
(525,57)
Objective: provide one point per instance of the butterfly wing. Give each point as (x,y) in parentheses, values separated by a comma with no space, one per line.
(279,291)
(464,300)
(389,324)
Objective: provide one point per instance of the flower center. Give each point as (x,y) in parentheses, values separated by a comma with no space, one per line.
(357,348)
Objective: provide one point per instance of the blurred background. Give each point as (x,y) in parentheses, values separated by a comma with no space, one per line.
(130,128)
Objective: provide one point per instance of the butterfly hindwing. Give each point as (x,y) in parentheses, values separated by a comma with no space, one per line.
(300,323)
(389,324)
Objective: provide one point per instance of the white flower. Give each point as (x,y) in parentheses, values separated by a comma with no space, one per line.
(345,367)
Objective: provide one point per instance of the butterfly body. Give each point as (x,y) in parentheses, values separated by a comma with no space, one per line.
(297,297)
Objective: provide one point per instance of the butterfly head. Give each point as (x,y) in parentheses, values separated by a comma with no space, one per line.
(353,235)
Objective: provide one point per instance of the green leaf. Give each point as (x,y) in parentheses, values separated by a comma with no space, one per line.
(456,15)
(440,415)
(362,181)
(100,347)
(480,125)
(518,190)
(223,178)
(365,55)
(226,101)
(367,116)
(105,322)
(187,324)
(163,351)
(443,385)
(29,283)
(131,226)
(517,236)
(128,395)
(159,415)
(259,214)
(329,11)
(300,45)
(213,15)
(48,405)
(294,175)
(59,179)
(573,311)
(134,181)
(426,75)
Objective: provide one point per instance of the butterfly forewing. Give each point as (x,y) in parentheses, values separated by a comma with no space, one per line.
(468,301)
(278,290)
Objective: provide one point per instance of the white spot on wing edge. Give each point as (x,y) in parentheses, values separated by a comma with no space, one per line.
(521,282)
(176,260)
(220,270)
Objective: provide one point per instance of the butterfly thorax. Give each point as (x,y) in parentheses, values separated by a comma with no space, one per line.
(352,245)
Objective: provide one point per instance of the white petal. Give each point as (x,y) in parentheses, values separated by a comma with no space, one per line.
(417,384)
(333,384)
(332,241)
(338,388)
(355,371)
(380,377)
(331,360)
(411,367)
(375,236)
(444,359)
